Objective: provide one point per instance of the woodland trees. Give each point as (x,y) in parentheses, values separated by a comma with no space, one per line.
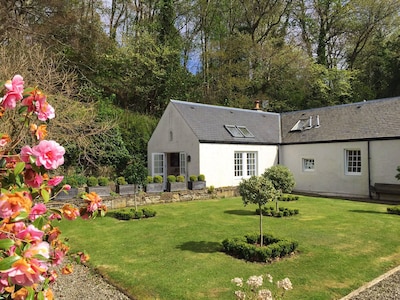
(129,57)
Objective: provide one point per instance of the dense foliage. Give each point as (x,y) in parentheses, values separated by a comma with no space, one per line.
(113,65)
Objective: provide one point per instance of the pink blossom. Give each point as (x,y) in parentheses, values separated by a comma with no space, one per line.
(42,248)
(14,87)
(49,154)
(25,153)
(44,111)
(12,204)
(32,178)
(3,282)
(55,216)
(31,233)
(37,210)
(57,257)
(26,273)
(66,187)
(55,180)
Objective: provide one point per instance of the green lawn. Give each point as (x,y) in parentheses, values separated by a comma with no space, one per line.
(342,244)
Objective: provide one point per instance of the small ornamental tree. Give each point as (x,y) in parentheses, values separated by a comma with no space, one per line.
(257,190)
(282,179)
(136,174)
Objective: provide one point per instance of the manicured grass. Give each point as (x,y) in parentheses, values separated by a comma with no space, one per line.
(342,244)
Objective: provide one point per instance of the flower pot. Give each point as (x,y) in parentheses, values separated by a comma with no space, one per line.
(197,185)
(72,193)
(176,186)
(125,189)
(154,188)
(102,191)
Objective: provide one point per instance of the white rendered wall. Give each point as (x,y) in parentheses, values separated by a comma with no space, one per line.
(217,161)
(328,177)
(385,157)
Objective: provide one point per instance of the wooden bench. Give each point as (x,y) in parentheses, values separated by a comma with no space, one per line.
(386,188)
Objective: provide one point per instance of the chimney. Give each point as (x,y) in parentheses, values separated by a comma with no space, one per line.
(257,105)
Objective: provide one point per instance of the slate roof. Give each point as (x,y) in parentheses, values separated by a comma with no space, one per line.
(375,119)
(207,123)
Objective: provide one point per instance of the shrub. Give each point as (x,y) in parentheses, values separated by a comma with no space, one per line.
(211,189)
(158,179)
(281,177)
(149,179)
(103,181)
(282,212)
(148,212)
(247,247)
(92,181)
(395,210)
(193,178)
(171,178)
(122,214)
(180,178)
(201,177)
(121,180)
(137,214)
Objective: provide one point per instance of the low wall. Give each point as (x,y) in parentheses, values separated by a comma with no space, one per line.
(142,198)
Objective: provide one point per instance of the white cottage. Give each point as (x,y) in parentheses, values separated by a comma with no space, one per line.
(335,151)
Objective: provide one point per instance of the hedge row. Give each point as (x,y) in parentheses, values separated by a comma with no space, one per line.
(248,248)
(395,210)
(288,198)
(127,214)
(282,212)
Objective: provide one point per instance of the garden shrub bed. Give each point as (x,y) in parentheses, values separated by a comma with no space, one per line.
(128,214)
(288,198)
(270,211)
(395,210)
(248,247)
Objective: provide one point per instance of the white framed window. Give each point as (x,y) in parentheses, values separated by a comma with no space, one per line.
(308,164)
(158,164)
(251,163)
(353,161)
(245,164)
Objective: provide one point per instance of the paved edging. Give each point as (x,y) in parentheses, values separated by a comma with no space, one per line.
(371,283)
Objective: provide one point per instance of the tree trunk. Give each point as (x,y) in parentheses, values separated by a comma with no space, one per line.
(261,231)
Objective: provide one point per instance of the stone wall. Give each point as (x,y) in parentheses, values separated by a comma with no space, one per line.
(142,198)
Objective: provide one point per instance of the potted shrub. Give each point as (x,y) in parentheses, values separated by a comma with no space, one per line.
(122,187)
(154,184)
(176,183)
(98,185)
(197,182)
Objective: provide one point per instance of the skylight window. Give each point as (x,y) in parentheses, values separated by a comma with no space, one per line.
(245,131)
(238,131)
(304,124)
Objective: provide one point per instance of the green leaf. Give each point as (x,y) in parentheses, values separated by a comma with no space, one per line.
(5,244)
(22,216)
(45,195)
(39,222)
(7,262)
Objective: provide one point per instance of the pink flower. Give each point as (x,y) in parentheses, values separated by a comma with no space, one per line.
(26,273)
(42,248)
(55,180)
(55,216)
(66,187)
(48,154)
(12,204)
(57,257)
(25,153)
(37,210)
(32,178)
(31,233)
(14,87)
(44,111)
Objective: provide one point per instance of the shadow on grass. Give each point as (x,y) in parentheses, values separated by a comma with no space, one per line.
(240,212)
(201,247)
(367,211)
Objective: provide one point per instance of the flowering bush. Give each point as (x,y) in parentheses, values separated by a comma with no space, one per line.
(30,247)
(252,288)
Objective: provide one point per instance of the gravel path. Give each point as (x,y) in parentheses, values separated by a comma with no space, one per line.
(83,283)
